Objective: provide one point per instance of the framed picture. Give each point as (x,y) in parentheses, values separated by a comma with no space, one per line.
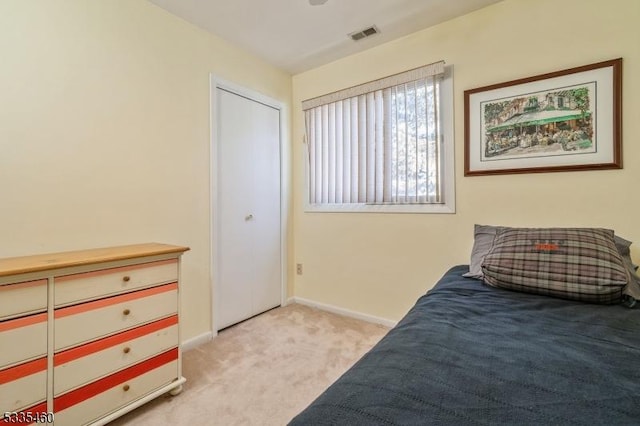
(560,121)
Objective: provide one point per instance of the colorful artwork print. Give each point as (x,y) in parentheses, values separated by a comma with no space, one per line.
(562,121)
(543,124)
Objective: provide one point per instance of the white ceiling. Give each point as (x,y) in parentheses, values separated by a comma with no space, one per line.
(295,36)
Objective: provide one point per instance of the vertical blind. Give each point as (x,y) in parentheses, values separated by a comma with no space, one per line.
(377,143)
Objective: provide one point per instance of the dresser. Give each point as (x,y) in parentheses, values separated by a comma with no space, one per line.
(86,336)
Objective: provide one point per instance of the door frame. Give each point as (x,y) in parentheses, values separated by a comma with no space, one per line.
(215,83)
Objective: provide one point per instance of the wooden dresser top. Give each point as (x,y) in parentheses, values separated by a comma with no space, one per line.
(43,262)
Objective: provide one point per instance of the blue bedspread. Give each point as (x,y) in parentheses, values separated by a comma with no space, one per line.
(467,353)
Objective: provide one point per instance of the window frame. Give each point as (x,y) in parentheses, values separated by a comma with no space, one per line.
(448,174)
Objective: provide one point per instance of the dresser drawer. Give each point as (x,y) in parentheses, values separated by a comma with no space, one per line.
(89,321)
(106,395)
(23,297)
(107,282)
(82,364)
(23,385)
(23,338)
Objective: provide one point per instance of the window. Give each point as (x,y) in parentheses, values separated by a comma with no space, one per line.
(384,146)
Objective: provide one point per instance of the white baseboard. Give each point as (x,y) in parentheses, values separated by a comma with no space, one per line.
(194,342)
(342,311)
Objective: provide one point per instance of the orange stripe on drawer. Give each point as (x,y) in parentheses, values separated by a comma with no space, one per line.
(92,389)
(88,349)
(113,270)
(22,370)
(25,284)
(89,306)
(23,322)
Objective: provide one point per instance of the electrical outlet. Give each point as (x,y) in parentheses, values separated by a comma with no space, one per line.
(299,268)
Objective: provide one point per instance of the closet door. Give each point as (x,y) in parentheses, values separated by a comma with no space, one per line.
(248,205)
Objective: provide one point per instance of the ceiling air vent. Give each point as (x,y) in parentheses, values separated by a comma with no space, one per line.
(367,32)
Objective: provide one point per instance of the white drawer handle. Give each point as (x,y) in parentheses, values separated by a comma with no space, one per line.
(126,388)
(126,278)
(126,350)
(126,312)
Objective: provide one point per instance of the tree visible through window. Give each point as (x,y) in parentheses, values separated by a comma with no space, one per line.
(414,143)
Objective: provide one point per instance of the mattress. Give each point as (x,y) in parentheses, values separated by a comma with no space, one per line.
(467,353)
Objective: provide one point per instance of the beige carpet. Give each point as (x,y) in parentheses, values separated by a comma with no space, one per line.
(263,371)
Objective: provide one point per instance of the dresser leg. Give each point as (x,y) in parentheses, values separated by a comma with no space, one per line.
(175,391)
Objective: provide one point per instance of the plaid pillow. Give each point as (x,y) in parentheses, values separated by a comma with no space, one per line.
(571,263)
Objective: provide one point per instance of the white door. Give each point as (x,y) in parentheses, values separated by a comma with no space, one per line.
(248,208)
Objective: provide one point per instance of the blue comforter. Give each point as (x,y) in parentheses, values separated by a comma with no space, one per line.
(467,353)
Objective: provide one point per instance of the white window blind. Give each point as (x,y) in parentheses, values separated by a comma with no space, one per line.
(378,143)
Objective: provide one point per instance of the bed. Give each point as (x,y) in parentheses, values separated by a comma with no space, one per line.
(470,353)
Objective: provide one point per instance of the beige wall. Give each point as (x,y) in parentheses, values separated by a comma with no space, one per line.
(379,264)
(104,130)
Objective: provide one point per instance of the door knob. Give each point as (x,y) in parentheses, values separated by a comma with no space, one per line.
(248,217)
